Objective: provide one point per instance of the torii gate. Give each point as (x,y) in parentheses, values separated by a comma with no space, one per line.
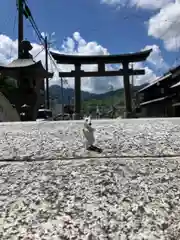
(101,61)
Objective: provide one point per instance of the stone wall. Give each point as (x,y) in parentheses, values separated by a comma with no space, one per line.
(7,112)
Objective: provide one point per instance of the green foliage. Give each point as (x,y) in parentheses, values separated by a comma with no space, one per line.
(105,101)
(91,100)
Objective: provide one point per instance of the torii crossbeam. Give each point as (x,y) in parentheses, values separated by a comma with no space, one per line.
(101,61)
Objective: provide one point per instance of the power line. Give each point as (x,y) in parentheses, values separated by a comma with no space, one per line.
(29,16)
(14,25)
(43,41)
(39,52)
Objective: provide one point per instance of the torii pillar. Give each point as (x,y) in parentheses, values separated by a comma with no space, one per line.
(126,72)
(77,92)
(127,90)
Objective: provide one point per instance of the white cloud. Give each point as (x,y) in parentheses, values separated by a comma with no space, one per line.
(148,77)
(115,2)
(8,49)
(150,4)
(144,4)
(155,58)
(165,26)
(77,45)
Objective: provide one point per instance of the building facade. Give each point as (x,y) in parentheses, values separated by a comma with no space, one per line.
(161,97)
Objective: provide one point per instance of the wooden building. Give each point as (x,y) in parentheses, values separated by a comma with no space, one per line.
(161,97)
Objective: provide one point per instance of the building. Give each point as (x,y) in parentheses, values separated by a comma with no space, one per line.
(30,77)
(161,97)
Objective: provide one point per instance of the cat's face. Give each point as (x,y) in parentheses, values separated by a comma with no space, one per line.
(87,121)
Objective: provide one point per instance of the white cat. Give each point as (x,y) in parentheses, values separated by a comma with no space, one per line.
(88,132)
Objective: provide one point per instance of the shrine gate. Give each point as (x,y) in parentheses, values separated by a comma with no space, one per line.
(101,61)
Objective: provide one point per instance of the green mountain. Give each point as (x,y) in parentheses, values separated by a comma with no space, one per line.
(55,92)
(90,101)
(115,97)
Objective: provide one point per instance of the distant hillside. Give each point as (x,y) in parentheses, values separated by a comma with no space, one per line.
(55,93)
(116,96)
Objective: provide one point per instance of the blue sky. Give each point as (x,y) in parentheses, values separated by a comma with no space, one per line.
(96,22)
(118,29)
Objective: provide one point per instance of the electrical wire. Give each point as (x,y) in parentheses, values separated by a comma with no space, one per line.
(39,35)
(39,52)
(42,41)
(14,25)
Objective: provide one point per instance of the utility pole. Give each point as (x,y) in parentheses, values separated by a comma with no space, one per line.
(111,88)
(20,5)
(62,97)
(47,79)
(132,86)
(132,80)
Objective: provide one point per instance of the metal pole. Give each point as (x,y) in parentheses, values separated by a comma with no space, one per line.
(62,97)
(132,86)
(132,80)
(20,25)
(47,79)
(111,88)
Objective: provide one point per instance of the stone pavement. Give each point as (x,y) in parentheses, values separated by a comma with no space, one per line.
(106,197)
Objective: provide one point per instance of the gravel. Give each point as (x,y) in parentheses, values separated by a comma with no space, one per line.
(47,140)
(107,197)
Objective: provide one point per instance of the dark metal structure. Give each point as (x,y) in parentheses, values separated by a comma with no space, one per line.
(101,61)
(29,75)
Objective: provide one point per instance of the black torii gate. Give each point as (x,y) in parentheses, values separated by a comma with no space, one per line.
(101,61)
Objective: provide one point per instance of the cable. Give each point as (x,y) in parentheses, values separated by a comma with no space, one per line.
(14,25)
(41,39)
(29,16)
(39,52)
